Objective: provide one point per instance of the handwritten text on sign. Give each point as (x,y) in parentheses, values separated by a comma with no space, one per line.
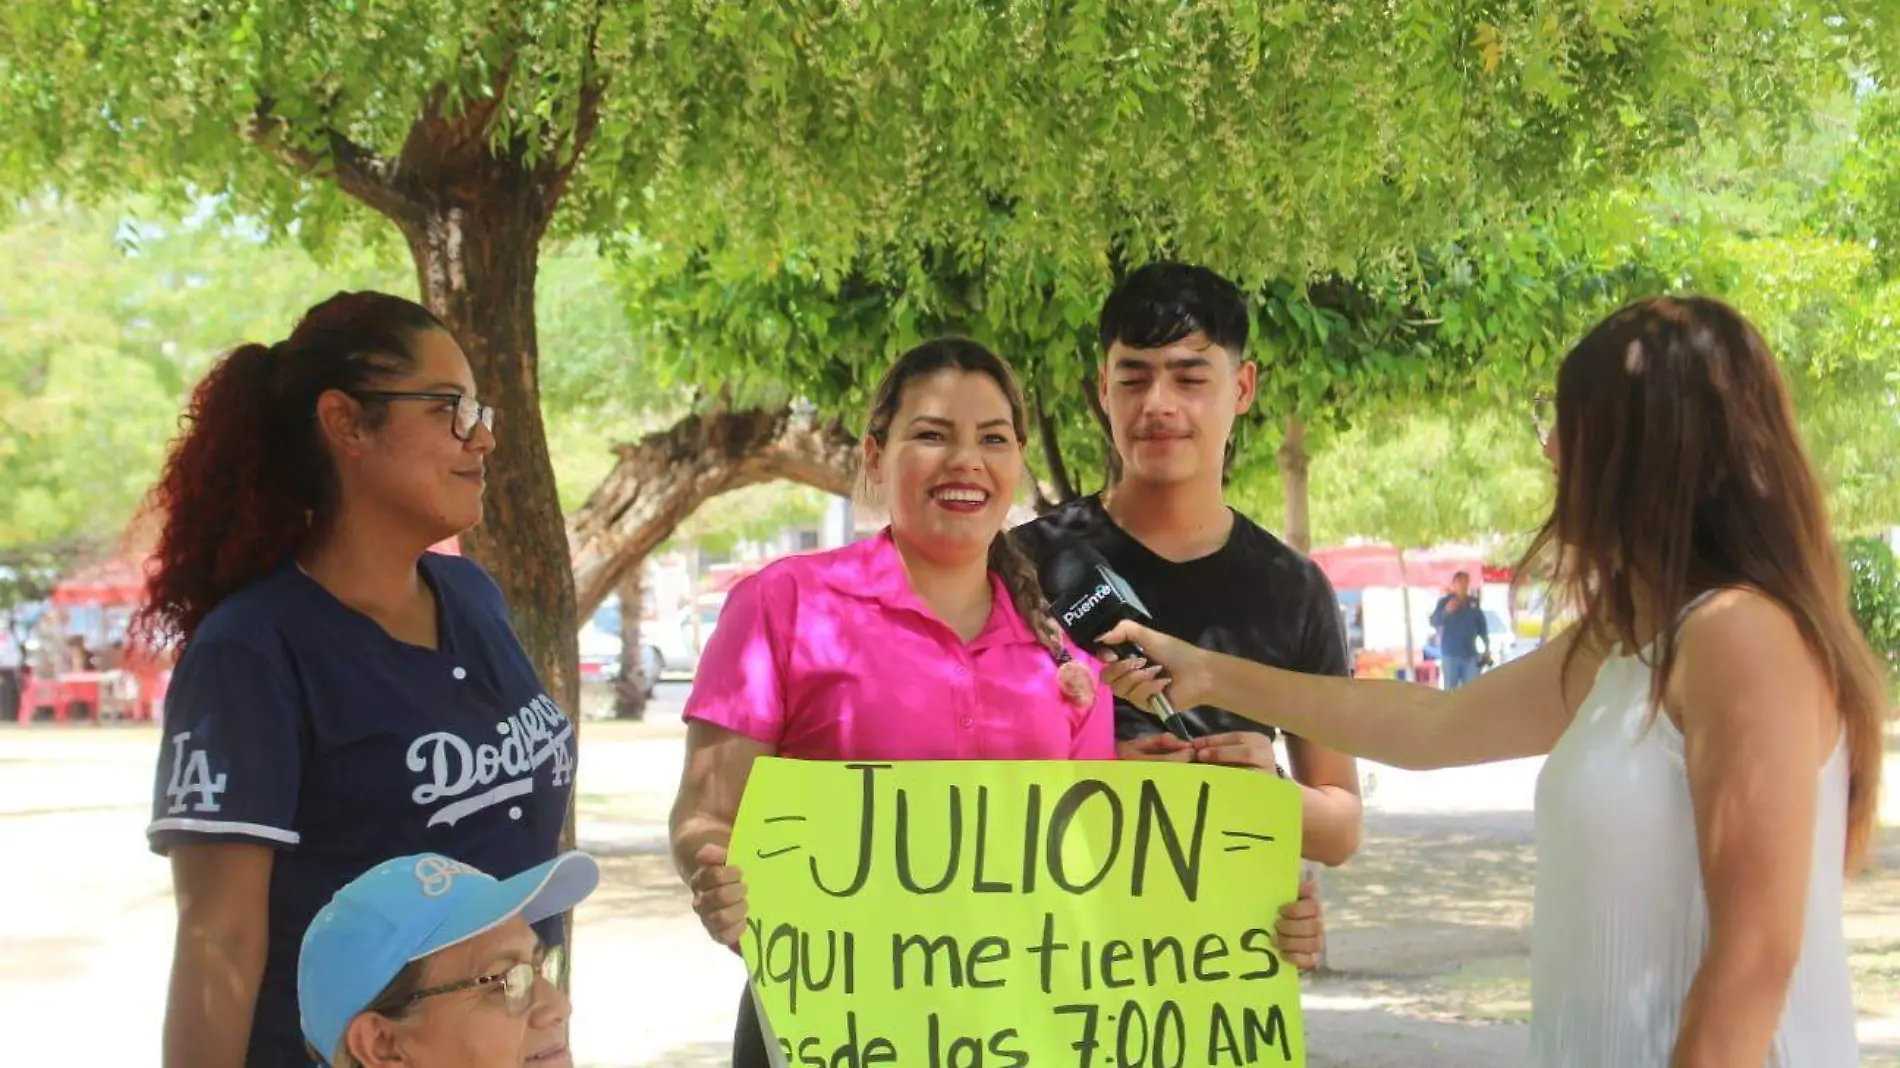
(968,914)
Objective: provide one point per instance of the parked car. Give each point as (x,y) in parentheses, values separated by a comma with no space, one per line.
(671,636)
(600,652)
(667,642)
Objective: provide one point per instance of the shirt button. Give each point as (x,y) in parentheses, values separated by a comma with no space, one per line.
(460,673)
(961,670)
(967,721)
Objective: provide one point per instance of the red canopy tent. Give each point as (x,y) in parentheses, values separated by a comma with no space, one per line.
(109,584)
(121,582)
(1358,567)
(115,583)
(137,687)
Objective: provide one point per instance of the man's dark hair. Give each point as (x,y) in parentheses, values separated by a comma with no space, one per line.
(1466,575)
(1164,302)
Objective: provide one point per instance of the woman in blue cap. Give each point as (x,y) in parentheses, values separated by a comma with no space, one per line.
(426,962)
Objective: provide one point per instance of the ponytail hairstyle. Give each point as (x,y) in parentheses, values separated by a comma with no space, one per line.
(248,482)
(1005,559)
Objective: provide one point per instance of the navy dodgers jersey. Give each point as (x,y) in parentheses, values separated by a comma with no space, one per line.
(296,722)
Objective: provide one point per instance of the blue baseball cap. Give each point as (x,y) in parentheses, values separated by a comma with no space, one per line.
(404,910)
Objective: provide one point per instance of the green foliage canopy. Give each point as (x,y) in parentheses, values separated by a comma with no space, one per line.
(107,317)
(1041,145)
(1874,578)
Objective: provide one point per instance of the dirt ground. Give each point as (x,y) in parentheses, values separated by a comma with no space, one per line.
(1429,960)
(1431,944)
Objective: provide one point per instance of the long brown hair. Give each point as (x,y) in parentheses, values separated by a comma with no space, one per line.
(1680,471)
(1007,561)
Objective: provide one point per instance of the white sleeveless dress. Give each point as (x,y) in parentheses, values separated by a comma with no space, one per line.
(1621,917)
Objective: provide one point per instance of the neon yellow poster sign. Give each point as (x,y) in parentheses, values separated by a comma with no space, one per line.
(1020,915)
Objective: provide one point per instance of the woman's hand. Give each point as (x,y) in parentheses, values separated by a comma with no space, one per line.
(1237,749)
(1161,746)
(718,896)
(1183,670)
(1300,936)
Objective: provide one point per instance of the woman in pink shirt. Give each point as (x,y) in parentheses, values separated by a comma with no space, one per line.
(931,641)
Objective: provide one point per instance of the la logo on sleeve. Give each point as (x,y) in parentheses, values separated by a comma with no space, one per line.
(191,774)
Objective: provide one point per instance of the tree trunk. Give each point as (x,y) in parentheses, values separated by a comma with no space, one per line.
(1111,460)
(1405,602)
(477,269)
(1293,463)
(473,214)
(631,688)
(1061,486)
(692,599)
(662,477)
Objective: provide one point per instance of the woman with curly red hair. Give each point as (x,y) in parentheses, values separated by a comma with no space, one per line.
(343,696)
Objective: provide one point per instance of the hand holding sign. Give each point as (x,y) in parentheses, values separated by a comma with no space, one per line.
(972,914)
(1155,747)
(718,895)
(1238,749)
(1300,936)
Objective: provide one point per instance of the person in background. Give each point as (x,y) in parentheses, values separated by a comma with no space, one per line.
(78,657)
(1713,726)
(1464,638)
(426,962)
(343,696)
(12,669)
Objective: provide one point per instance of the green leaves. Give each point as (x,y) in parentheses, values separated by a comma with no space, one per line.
(1424,197)
(1277,142)
(1874,588)
(106,318)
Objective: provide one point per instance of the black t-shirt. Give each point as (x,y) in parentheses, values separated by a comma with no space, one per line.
(1254,597)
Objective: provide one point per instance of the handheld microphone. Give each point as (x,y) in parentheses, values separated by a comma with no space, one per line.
(1088,599)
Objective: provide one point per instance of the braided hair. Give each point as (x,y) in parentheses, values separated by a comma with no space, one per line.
(1005,559)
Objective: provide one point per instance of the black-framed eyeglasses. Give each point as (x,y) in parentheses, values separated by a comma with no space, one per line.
(516,983)
(468,410)
(1544,415)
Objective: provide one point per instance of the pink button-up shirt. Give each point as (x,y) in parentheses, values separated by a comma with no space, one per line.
(832,656)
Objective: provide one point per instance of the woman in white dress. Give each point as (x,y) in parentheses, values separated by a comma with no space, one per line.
(1713,722)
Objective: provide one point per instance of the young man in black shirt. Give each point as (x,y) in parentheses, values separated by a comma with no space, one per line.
(1174,376)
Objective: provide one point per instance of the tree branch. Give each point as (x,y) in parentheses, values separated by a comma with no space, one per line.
(357,170)
(1092,394)
(660,479)
(1052,452)
(439,144)
(586,117)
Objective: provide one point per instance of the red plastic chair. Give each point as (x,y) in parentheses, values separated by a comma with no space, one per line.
(38,693)
(80,688)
